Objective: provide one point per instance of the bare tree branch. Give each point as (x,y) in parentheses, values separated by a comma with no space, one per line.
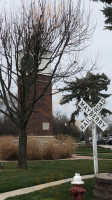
(42,32)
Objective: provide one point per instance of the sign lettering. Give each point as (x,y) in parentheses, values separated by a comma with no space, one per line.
(92,114)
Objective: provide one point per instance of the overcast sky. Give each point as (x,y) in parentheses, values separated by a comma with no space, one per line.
(101,44)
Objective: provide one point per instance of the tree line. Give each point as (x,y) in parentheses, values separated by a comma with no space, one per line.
(61,126)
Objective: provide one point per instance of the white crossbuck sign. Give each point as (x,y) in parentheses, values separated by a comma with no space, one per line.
(92,114)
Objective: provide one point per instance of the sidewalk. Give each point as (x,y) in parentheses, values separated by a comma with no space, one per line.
(78,157)
(5,195)
(106,146)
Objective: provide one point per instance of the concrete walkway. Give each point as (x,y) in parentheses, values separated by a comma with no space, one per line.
(106,146)
(75,157)
(38,187)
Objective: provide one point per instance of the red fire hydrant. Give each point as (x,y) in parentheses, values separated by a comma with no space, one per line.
(77,191)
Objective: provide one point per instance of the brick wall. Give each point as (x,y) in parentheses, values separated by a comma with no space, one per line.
(40,123)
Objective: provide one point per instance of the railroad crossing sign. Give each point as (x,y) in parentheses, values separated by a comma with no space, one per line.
(92,114)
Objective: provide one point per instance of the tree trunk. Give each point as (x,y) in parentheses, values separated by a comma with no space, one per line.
(22,151)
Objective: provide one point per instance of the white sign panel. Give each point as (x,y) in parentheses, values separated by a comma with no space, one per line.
(99,105)
(92,115)
(85,107)
(45,126)
(85,124)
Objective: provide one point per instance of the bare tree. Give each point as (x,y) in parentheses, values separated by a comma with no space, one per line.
(61,126)
(40,31)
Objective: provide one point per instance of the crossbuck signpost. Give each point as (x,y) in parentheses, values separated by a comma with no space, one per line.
(94,118)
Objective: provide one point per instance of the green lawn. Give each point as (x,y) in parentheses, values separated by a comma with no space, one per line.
(105,155)
(39,172)
(88,151)
(60,192)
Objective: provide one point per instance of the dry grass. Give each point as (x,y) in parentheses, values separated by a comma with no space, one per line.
(62,147)
(66,147)
(8,148)
(33,149)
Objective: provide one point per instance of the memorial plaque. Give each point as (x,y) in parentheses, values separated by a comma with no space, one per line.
(45,126)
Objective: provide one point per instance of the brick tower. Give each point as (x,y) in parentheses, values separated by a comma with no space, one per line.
(40,122)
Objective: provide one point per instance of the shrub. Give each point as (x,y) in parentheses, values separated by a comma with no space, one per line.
(8,148)
(33,149)
(49,151)
(66,147)
(63,147)
(37,149)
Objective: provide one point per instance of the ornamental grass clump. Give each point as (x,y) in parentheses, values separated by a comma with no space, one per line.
(37,149)
(49,151)
(8,148)
(61,148)
(66,147)
(34,151)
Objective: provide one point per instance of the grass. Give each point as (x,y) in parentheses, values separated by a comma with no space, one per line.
(39,172)
(8,148)
(88,151)
(37,149)
(105,155)
(60,192)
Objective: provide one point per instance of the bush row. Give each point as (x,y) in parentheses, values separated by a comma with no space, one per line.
(37,149)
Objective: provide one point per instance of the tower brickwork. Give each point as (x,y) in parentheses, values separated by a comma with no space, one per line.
(40,121)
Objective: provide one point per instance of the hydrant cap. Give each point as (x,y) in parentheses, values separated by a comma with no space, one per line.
(77,179)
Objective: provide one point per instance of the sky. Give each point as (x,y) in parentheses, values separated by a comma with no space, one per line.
(100,44)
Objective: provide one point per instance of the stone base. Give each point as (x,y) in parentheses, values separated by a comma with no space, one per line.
(103,186)
(42,138)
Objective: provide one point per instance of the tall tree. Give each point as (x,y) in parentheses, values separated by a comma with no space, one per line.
(42,30)
(107,11)
(91,88)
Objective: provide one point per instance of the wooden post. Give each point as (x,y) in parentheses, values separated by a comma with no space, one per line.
(95,155)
